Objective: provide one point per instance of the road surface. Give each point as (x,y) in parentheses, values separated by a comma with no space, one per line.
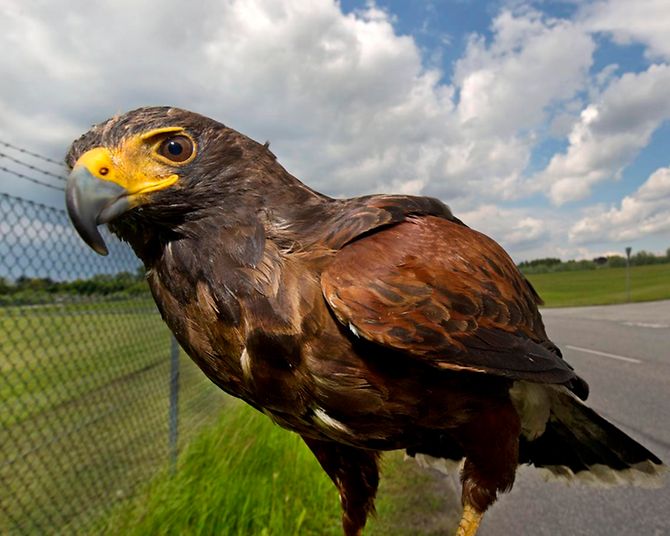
(623,352)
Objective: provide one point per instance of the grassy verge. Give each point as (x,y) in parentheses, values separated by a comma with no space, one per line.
(243,476)
(247,476)
(604,286)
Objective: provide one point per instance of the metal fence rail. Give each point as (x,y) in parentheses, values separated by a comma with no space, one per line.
(86,381)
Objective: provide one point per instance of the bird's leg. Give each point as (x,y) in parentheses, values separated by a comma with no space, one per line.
(355,473)
(469,522)
(491,444)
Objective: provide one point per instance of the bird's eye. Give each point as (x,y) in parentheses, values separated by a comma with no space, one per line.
(176,148)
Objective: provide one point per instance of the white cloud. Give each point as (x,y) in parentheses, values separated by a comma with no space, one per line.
(642,21)
(348,104)
(513,228)
(645,212)
(345,101)
(608,135)
(530,63)
(505,88)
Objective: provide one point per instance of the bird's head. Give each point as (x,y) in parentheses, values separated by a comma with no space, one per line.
(159,165)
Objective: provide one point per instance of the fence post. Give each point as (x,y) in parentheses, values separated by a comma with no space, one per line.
(628,250)
(174,403)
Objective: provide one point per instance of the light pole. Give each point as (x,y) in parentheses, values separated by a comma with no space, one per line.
(628,250)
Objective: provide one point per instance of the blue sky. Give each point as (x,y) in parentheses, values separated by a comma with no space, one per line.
(543,124)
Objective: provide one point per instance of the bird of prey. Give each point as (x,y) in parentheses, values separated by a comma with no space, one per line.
(364,325)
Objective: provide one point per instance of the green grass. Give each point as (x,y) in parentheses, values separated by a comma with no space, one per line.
(52,354)
(603,286)
(246,476)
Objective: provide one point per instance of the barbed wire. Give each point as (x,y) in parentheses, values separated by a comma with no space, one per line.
(31,153)
(31,179)
(32,167)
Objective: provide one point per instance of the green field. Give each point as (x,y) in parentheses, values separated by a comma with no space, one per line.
(603,286)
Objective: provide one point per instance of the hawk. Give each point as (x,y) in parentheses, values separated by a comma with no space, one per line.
(364,325)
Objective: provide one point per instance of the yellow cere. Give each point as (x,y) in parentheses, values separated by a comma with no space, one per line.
(135,164)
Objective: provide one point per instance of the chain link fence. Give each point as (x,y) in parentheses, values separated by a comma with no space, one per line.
(93,402)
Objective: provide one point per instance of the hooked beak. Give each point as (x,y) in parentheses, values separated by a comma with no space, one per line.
(91,202)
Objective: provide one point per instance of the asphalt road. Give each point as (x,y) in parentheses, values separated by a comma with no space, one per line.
(623,351)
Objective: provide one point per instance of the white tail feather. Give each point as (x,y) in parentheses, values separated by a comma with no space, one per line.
(644,475)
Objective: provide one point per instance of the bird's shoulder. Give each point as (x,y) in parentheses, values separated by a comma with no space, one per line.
(348,220)
(445,293)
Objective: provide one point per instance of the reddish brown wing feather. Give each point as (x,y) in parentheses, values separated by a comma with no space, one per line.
(446,294)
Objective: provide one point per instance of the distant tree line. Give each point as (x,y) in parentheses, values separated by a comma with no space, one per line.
(33,290)
(552,264)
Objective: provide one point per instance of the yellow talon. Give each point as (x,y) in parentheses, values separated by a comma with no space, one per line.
(469,522)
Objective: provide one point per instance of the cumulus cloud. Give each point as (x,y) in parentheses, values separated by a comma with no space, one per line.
(506,86)
(532,61)
(642,21)
(349,105)
(346,102)
(514,228)
(645,212)
(609,134)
